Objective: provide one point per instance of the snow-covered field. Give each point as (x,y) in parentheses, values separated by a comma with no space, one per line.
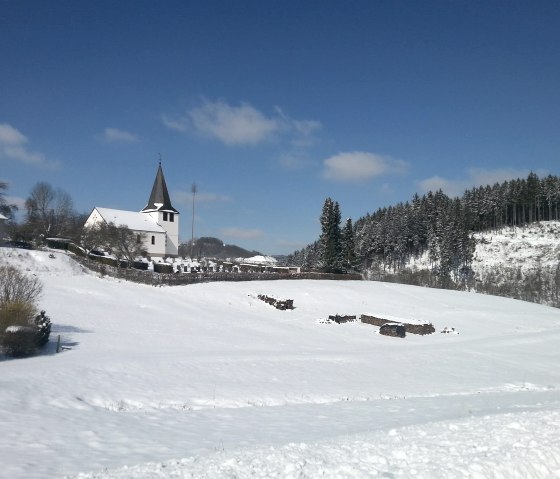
(208,381)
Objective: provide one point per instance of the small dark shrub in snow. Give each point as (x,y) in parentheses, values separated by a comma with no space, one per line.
(140,265)
(163,268)
(24,334)
(19,341)
(42,327)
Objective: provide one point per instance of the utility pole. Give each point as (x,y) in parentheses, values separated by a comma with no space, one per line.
(194,189)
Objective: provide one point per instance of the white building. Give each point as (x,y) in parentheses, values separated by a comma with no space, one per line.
(3,221)
(158,221)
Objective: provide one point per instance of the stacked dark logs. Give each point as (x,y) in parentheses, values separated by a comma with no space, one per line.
(337,318)
(281,304)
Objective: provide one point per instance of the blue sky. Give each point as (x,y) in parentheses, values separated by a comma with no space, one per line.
(271,106)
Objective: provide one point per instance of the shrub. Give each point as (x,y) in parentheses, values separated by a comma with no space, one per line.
(16,287)
(17,313)
(42,327)
(19,341)
(163,268)
(22,330)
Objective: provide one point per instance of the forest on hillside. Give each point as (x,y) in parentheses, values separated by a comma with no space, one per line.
(386,240)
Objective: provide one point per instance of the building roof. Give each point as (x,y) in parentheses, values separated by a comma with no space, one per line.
(2,217)
(132,219)
(159,198)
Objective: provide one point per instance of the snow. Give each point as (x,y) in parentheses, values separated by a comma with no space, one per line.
(132,219)
(524,247)
(205,380)
(259,259)
(537,244)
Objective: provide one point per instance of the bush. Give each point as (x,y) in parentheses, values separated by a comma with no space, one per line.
(16,313)
(19,341)
(42,327)
(22,333)
(163,268)
(16,287)
(22,330)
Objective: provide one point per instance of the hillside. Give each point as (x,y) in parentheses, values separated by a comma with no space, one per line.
(526,248)
(208,381)
(518,262)
(211,247)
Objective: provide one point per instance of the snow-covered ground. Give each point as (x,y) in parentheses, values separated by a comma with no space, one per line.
(208,381)
(529,247)
(537,244)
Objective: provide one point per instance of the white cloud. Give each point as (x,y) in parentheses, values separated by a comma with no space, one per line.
(10,136)
(114,135)
(473,177)
(13,146)
(233,125)
(239,233)
(241,125)
(180,124)
(360,166)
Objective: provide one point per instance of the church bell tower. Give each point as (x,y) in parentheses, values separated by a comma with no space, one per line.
(161,210)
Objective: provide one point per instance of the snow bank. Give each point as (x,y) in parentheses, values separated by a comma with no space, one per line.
(520,446)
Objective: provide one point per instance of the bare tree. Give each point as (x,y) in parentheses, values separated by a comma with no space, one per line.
(49,211)
(120,241)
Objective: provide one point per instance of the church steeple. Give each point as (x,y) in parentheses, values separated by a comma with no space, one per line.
(159,198)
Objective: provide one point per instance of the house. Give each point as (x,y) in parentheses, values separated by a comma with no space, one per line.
(3,221)
(158,221)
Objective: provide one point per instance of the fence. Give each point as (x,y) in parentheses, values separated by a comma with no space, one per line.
(174,279)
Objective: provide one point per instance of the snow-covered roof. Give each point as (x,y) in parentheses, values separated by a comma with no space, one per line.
(132,219)
(2,217)
(260,259)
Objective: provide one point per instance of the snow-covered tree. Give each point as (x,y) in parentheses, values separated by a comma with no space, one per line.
(330,241)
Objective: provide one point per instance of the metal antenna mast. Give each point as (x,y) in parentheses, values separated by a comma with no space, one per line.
(194,189)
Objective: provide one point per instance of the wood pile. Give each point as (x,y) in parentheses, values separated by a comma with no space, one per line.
(281,304)
(422,329)
(337,318)
(393,329)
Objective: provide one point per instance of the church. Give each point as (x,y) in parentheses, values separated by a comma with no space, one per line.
(158,221)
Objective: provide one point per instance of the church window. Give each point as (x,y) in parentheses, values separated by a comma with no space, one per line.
(153,240)
(138,238)
(165,216)
(171,217)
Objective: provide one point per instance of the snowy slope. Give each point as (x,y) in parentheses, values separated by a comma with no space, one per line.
(208,381)
(512,247)
(534,245)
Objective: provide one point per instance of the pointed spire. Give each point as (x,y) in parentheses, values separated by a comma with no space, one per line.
(159,198)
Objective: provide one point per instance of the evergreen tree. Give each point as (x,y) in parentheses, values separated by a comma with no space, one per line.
(330,242)
(348,246)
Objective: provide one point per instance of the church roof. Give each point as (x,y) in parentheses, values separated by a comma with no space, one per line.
(159,198)
(132,219)
(2,217)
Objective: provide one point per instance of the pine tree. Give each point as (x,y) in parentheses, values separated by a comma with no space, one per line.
(330,242)
(348,246)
